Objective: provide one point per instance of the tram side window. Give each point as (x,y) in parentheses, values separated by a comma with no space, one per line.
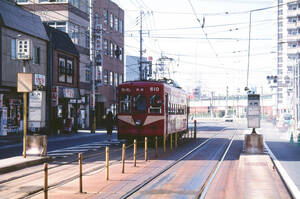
(139,103)
(155,104)
(125,103)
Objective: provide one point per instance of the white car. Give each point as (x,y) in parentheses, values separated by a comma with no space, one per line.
(228,118)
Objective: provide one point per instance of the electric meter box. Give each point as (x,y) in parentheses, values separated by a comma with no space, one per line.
(253,111)
(24,49)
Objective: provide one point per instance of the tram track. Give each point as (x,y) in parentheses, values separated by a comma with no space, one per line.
(168,168)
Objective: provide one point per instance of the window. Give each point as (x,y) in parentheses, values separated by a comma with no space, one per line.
(69,71)
(13,49)
(139,103)
(60,25)
(280,12)
(111,78)
(125,103)
(61,70)
(21,1)
(292,32)
(105,47)
(53,1)
(121,26)
(292,19)
(115,51)
(116,79)
(121,54)
(88,76)
(112,49)
(120,78)
(36,55)
(105,77)
(96,18)
(116,24)
(105,16)
(65,70)
(111,20)
(74,32)
(292,44)
(87,39)
(292,6)
(155,104)
(75,3)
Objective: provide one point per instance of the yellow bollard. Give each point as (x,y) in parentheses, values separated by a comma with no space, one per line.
(134,152)
(176,140)
(45,181)
(171,141)
(107,163)
(156,147)
(164,142)
(146,148)
(123,158)
(80,172)
(195,129)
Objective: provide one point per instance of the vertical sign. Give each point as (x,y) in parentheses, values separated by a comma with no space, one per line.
(253,112)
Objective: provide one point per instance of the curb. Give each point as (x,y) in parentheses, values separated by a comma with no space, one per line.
(23,165)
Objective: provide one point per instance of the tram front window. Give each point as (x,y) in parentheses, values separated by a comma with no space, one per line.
(155,104)
(125,103)
(139,103)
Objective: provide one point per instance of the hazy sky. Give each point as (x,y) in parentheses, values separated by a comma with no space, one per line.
(219,59)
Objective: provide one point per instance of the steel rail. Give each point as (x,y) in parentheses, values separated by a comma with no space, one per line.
(212,175)
(137,188)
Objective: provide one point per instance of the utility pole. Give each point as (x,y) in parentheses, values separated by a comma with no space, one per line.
(226,111)
(262,102)
(141,45)
(92,63)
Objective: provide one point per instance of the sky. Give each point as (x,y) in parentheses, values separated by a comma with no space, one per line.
(215,56)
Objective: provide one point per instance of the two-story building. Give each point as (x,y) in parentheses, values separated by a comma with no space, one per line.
(16,23)
(63,77)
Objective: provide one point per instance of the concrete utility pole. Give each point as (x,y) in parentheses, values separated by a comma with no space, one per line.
(92,63)
(141,45)
(226,111)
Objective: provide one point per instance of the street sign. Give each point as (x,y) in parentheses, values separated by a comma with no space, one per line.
(24,84)
(24,49)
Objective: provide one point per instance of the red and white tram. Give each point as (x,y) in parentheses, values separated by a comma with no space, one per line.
(151,108)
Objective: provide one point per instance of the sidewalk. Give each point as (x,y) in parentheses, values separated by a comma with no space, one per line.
(19,162)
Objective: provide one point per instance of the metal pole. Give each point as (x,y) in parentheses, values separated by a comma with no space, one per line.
(107,163)
(123,158)
(146,148)
(156,147)
(141,45)
(45,181)
(24,117)
(134,152)
(176,140)
(92,62)
(164,142)
(249,41)
(171,141)
(195,129)
(80,172)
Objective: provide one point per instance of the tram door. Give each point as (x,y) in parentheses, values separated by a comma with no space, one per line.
(167,113)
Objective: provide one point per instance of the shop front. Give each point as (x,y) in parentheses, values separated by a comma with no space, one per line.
(66,109)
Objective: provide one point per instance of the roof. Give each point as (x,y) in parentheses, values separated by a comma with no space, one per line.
(14,17)
(61,40)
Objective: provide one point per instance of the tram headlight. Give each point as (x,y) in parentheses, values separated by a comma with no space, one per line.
(138,122)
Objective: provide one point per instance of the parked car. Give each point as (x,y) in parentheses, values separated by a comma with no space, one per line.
(228,118)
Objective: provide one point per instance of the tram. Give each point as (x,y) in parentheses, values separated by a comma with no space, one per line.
(151,108)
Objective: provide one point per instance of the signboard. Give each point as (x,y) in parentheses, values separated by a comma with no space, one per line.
(35,99)
(69,93)
(98,44)
(253,112)
(98,76)
(24,84)
(54,97)
(24,49)
(39,80)
(35,114)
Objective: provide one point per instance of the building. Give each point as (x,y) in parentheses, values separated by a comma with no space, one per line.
(66,108)
(72,17)
(16,23)
(109,20)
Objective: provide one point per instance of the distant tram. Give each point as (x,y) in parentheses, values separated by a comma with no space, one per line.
(151,108)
